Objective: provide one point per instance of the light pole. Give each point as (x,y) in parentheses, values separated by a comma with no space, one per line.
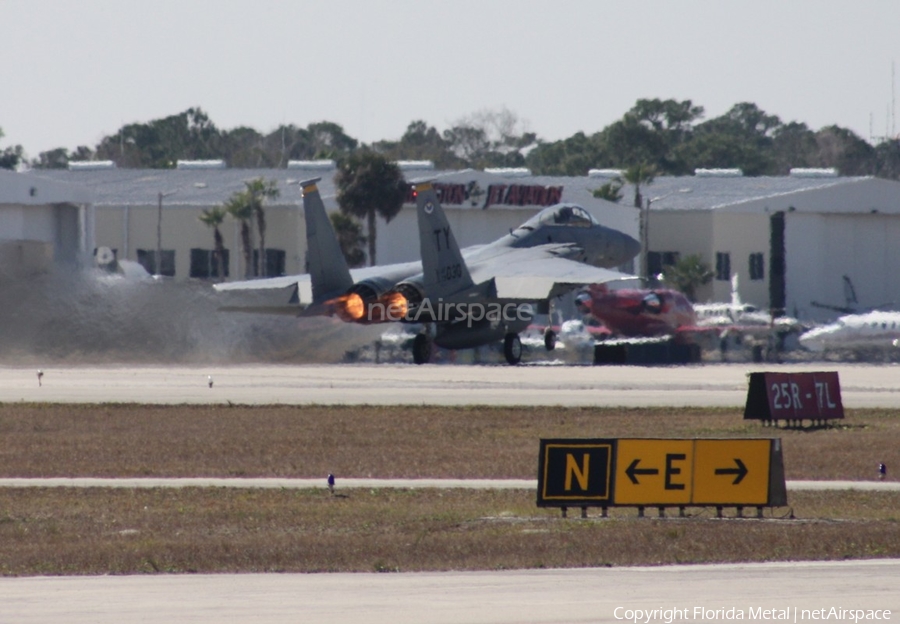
(158,258)
(644,233)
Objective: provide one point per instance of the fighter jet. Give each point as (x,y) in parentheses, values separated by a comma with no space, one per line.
(463,297)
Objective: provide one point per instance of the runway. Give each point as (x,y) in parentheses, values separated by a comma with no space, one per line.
(723,385)
(362,483)
(763,590)
(502,597)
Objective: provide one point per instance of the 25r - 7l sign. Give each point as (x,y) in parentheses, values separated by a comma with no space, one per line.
(661,472)
(794,396)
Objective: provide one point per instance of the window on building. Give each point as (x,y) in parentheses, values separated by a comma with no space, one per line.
(147,259)
(757,267)
(205,265)
(275,259)
(657,261)
(723,266)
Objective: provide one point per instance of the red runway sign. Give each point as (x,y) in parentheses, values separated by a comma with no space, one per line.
(794,396)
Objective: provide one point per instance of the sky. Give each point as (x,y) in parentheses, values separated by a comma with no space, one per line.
(72,72)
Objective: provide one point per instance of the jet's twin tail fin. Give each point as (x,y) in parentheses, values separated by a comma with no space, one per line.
(444,271)
(327,267)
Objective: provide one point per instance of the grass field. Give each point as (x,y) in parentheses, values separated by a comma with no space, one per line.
(94,531)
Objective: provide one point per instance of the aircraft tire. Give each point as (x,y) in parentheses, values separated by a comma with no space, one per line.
(421,349)
(550,340)
(512,348)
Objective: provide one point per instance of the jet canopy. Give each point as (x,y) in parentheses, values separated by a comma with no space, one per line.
(569,215)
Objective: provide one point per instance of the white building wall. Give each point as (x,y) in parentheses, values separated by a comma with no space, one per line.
(822,248)
(688,233)
(741,235)
(127,229)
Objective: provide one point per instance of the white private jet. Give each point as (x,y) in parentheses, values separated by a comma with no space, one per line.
(855,332)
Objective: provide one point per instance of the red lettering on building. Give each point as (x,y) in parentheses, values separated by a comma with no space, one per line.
(495,195)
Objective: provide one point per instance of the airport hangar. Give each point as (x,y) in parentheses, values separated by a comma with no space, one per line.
(43,223)
(816,225)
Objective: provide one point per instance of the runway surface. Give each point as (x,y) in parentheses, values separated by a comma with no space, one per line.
(356,483)
(545,596)
(586,595)
(635,386)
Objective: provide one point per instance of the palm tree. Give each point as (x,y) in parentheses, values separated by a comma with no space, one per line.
(369,185)
(688,274)
(350,237)
(257,192)
(213,217)
(637,175)
(239,207)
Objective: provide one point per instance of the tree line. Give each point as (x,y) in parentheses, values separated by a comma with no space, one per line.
(670,136)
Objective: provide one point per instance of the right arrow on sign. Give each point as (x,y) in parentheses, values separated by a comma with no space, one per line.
(633,471)
(740,472)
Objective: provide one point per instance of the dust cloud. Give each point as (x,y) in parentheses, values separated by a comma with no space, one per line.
(95,317)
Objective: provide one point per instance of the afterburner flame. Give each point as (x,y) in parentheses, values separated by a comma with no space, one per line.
(350,307)
(391,306)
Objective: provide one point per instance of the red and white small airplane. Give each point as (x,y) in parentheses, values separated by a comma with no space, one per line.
(639,312)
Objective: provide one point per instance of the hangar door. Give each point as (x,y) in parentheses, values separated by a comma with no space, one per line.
(822,248)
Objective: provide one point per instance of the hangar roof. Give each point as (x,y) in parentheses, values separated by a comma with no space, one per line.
(33,190)
(207,187)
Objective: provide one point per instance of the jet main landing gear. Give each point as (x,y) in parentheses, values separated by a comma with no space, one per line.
(422,349)
(512,348)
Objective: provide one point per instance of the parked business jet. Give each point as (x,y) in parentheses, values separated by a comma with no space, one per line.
(855,332)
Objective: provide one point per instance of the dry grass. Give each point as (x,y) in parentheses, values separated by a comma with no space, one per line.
(161,441)
(98,531)
(64,531)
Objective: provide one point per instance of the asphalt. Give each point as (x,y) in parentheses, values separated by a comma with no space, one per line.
(631,386)
(721,593)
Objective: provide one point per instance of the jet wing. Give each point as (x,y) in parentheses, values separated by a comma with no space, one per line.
(299,287)
(531,274)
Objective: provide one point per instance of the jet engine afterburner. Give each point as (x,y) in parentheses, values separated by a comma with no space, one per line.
(370,301)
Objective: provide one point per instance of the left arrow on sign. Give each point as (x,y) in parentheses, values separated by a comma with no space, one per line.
(633,471)
(740,472)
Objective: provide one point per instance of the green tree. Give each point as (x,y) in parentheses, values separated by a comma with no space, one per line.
(158,144)
(638,175)
(743,137)
(369,185)
(574,156)
(11,156)
(688,274)
(845,151)
(887,158)
(420,142)
(239,207)
(652,133)
(257,192)
(213,218)
(611,191)
(350,237)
